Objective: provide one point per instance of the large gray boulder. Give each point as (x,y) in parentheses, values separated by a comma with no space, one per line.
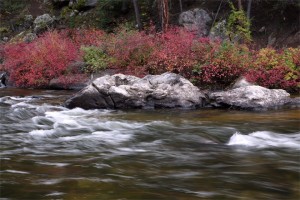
(196,20)
(252,97)
(168,90)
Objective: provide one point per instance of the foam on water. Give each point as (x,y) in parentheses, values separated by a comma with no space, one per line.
(16,172)
(266,139)
(86,126)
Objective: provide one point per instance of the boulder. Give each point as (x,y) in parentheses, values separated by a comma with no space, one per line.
(251,97)
(29,37)
(218,31)
(196,20)
(120,91)
(3,79)
(91,3)
(241,82)
(43,22)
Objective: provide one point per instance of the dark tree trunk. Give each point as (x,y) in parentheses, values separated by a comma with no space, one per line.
(137,14)
(249,9)
(180,6)
(124,6)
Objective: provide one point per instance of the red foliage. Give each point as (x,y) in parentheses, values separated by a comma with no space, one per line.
(276,69)
(210,63)
(130,48)
(36,63)
(275,78)
(219,63)
(173,52)
(84,37)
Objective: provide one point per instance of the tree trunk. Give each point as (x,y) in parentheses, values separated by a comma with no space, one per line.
(249,9)
(137,15)
(124,6)
(163,14)
(240,5)
(180,6)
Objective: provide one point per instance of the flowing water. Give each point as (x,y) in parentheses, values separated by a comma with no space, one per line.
(50,152)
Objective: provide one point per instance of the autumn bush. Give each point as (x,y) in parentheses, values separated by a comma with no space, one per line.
(172,52)
(276,69)
(221,64)
(131,50)
(36,63)
(84,37)
(207,63)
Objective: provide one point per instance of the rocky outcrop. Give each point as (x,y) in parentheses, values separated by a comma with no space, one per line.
(251,97)
(196,20)
(42,22)
(168,90)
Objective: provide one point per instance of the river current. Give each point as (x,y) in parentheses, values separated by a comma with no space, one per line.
(50,152)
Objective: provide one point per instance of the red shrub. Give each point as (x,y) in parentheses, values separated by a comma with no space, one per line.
(36,63)
(173,52)
(276,69)
(84,37)
(130,48)
(220,63)
(274,78)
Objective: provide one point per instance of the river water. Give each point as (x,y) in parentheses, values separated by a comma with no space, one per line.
(50,152)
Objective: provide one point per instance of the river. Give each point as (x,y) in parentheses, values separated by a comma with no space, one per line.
(51,152)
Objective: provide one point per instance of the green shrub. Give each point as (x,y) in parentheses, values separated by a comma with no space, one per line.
(79,5)
(238,26)
(12,6)
(96,59)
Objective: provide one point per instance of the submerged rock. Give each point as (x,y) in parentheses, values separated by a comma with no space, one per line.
(252,97)
(168,90)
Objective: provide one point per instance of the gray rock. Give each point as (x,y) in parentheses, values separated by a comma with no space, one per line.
(218,31)
(91,3)
(42,22)
(28,18)
(29,37)
(3,79)
(241,82)
(196,20)
(250,98)
(168,90)
(83,5)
